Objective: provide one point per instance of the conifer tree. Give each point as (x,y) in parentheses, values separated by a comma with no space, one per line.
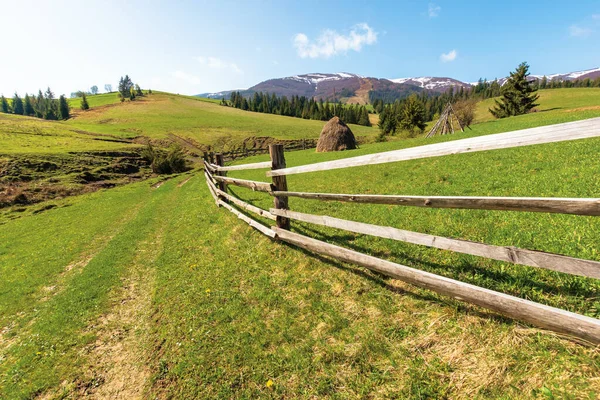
(412,115)
(28,106)
(63,107)
(84,103)
(17,105)
(40,105)
(4,105)
(518,95)
(51,109)
(125,86)
(138,90)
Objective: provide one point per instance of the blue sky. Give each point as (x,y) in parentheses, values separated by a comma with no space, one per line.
(201,46)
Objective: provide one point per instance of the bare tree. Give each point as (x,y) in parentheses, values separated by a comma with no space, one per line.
(465,111)
(108,88)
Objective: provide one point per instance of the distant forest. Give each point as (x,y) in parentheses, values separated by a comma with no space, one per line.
(299,107)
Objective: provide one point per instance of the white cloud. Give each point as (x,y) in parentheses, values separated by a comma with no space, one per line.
(194,80)
(433,10)
(217,63)
(331,43)
(579,31)
(450,56)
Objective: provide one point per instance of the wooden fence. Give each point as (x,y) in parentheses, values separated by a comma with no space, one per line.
(540,315)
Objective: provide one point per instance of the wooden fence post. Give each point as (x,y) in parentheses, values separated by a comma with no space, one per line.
(279,183)
(222,185)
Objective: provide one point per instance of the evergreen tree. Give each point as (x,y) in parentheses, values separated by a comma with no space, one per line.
(364,117)
(28,106)
(412,115)
(125,86)
(518,95)
(4,105)
(51,109)
(17,105)
(138,90)
(40,105)
(84,103)
(63,107)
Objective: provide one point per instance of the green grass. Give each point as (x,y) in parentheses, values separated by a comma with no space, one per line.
(205,122)
(96,100)
(229,311)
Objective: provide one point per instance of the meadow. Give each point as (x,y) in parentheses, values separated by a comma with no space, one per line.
(160,294)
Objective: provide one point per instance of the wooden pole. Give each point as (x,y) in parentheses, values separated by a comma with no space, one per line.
(222,185)
(279,182)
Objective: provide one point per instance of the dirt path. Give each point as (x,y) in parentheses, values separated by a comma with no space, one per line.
(117,360)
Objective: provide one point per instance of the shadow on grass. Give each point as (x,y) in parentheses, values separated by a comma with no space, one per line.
(521,284)
(380,280)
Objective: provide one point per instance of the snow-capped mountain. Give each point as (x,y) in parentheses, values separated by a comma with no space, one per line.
(569,76)
(353,88)
(432,83)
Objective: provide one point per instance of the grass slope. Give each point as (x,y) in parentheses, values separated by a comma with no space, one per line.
(235,315)
(206,122)
(154,283)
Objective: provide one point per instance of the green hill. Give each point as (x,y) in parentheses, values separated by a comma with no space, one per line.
(151,281)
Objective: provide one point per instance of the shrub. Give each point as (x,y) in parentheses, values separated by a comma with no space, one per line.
(170,162)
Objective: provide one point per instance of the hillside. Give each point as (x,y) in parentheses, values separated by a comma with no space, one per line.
(150,281)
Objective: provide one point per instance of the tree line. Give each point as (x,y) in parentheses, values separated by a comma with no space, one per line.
(44,105)
(517,97)
(299,107)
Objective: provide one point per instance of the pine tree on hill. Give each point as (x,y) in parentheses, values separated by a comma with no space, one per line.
(125,86)
(63,107)
(28,106)
(4,105)
(51,108)
(17,105)
(412,115)
(84,103)
(40,105)
(518,95)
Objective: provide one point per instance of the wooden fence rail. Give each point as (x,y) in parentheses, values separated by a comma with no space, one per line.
(515,255)
(546,134)
(580,206)
(537,314)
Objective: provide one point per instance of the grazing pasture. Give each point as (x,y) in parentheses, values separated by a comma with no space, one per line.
(150,282)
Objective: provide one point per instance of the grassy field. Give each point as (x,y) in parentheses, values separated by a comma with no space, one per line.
(149,291)
(204,121)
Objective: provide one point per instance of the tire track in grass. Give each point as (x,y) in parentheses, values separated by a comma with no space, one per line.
(48,362)
(21,321)
(117,359)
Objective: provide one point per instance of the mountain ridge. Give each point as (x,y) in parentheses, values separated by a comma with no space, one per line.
(354,88)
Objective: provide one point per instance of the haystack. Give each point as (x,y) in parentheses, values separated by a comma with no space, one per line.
(336,136)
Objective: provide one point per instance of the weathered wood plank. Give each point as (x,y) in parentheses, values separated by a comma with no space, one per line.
(546,134)
(536,314)
(210,167)
(584,206)
(247,206)
(211,189)
(532,258)
(254,185)
(256,225)
(265,164)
